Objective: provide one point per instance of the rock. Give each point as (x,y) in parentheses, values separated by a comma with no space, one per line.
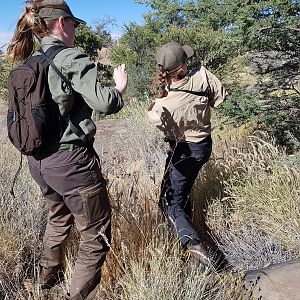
(268,61)
(276,282)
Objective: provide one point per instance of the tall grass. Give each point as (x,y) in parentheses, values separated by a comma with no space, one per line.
(22,220)
(248,195)
(258,220)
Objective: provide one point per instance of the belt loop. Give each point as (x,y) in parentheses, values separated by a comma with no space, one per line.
(71,147)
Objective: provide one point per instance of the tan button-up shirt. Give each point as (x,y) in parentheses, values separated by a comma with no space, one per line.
(183,116)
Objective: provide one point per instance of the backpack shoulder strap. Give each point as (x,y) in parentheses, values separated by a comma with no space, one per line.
(53,51)
(46,58)
(49,55)
(190,92)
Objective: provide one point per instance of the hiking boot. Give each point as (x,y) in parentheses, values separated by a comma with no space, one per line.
(199,254)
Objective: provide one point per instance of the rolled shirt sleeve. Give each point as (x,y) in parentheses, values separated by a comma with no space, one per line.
(218,92)
(154,114)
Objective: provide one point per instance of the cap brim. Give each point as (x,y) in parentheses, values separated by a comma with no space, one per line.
(79,21)
(50,13)
(188,50)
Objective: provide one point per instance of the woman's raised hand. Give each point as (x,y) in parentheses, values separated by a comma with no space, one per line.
(120,78)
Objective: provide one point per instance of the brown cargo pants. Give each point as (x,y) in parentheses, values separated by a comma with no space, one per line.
(75,192)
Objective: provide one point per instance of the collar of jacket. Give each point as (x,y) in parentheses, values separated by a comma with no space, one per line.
(48,41)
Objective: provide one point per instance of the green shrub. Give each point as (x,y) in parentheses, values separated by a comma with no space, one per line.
(278,115)
(240,106)
(281,118)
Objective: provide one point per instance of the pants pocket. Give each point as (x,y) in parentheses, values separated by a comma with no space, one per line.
(95,202)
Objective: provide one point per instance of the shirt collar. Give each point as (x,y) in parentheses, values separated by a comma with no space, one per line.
(50,40)
(180,83)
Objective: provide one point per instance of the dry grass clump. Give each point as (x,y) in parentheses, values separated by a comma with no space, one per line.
(162,274)
(141,148)
(257,221)
(21,224)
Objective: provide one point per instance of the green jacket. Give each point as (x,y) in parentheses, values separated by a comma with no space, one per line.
(82,73)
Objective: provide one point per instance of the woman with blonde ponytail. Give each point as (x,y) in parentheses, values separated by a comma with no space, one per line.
(182,110)
(67,168)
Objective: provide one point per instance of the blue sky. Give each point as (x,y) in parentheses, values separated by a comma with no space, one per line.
(123,11)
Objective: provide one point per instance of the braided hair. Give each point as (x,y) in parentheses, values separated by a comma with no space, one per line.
(164,79)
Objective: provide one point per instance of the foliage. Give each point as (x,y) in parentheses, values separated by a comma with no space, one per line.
(240,106)
(276,114)
(91,39)
(273,30)
(136,49)
(281,117)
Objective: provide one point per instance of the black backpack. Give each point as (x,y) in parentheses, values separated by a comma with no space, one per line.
(33,120)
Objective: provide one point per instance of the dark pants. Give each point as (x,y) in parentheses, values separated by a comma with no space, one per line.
(75,192)
(183,164)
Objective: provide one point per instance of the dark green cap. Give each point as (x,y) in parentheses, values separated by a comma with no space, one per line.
(172,56)
(54,9)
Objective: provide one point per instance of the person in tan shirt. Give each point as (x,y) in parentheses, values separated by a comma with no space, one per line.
(183,112)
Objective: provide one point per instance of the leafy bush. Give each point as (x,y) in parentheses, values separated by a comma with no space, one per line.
(281,117)
(277,115)
(241,105)
(90,40)
(136,49)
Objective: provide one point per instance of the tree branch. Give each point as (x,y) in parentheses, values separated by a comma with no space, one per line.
(277,27)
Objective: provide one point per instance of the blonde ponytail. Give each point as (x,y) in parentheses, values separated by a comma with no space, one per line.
(29,27)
